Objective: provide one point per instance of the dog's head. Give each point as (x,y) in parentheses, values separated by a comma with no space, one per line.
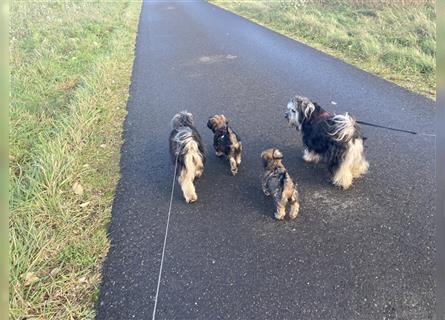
(271,158)
(182,119)
(216,122)
(299,108)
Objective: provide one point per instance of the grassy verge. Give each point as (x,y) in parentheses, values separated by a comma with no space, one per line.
(396,42)
(70,71)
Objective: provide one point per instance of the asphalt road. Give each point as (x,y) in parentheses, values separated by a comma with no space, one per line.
(365,253)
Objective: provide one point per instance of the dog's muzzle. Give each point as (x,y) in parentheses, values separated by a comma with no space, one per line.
(286,115)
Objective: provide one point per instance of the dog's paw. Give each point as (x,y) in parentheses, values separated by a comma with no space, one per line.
(234,171)
(192,198)
(311,157)
(279,216)
(343,179)
(293,215)
(294,212)
(198,174)
(360,169)
(344,184)
(219,154)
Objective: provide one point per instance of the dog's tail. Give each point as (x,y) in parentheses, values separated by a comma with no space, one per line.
(344,128)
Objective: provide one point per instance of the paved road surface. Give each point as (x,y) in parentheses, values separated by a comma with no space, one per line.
(365,253)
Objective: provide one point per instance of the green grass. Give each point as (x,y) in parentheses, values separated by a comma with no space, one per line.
(397,43)
(70,71)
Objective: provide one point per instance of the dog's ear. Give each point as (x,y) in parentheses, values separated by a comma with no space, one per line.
(210,123)
(223,119)
(276,154)
(305,105)
(264,159)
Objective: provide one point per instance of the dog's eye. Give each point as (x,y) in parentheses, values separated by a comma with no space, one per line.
(293,110)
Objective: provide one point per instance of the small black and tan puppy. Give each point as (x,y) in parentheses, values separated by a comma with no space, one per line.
(278,183)
(226,141)
(187,149)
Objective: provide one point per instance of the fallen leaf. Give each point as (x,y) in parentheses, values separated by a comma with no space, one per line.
(83,205)
(82,280)
(30,278)
(54,272)
(103,145)
(77,188)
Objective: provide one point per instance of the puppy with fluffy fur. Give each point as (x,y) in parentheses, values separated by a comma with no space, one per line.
(226,141)
(278,183)
(187,149)
(335,138)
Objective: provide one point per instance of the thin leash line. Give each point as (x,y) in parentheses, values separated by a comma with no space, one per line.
(165,238)
(394,129)
(390,128)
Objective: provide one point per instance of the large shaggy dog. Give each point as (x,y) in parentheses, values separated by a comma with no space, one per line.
(186,148)
(335,138)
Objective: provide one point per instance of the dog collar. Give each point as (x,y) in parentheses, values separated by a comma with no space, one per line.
(221,132)
(322,116)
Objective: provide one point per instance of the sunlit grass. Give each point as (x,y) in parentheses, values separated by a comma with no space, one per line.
(395,40)
(70,72)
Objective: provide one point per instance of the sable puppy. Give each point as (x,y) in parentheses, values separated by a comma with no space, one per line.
(334,138)
(187,149)
(278,183)
(226,141)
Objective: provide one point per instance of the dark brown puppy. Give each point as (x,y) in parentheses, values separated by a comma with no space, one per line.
(278,183)
(226,141)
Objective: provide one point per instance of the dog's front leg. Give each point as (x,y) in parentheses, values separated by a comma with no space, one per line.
(311,156)
(265,188)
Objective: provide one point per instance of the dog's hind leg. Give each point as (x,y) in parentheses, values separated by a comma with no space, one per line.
(238,159)
(343,173)
(280,202)
(343,177)
(281,212)
(238,156)
(193,168)
(233,165)
(360,165)
(294,205)
(185,180)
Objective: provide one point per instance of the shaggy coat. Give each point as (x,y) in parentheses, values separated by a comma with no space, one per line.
(187,150)
(226,141)
(278,183)
(334,138)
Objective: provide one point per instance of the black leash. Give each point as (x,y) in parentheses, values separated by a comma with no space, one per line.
(389,128)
